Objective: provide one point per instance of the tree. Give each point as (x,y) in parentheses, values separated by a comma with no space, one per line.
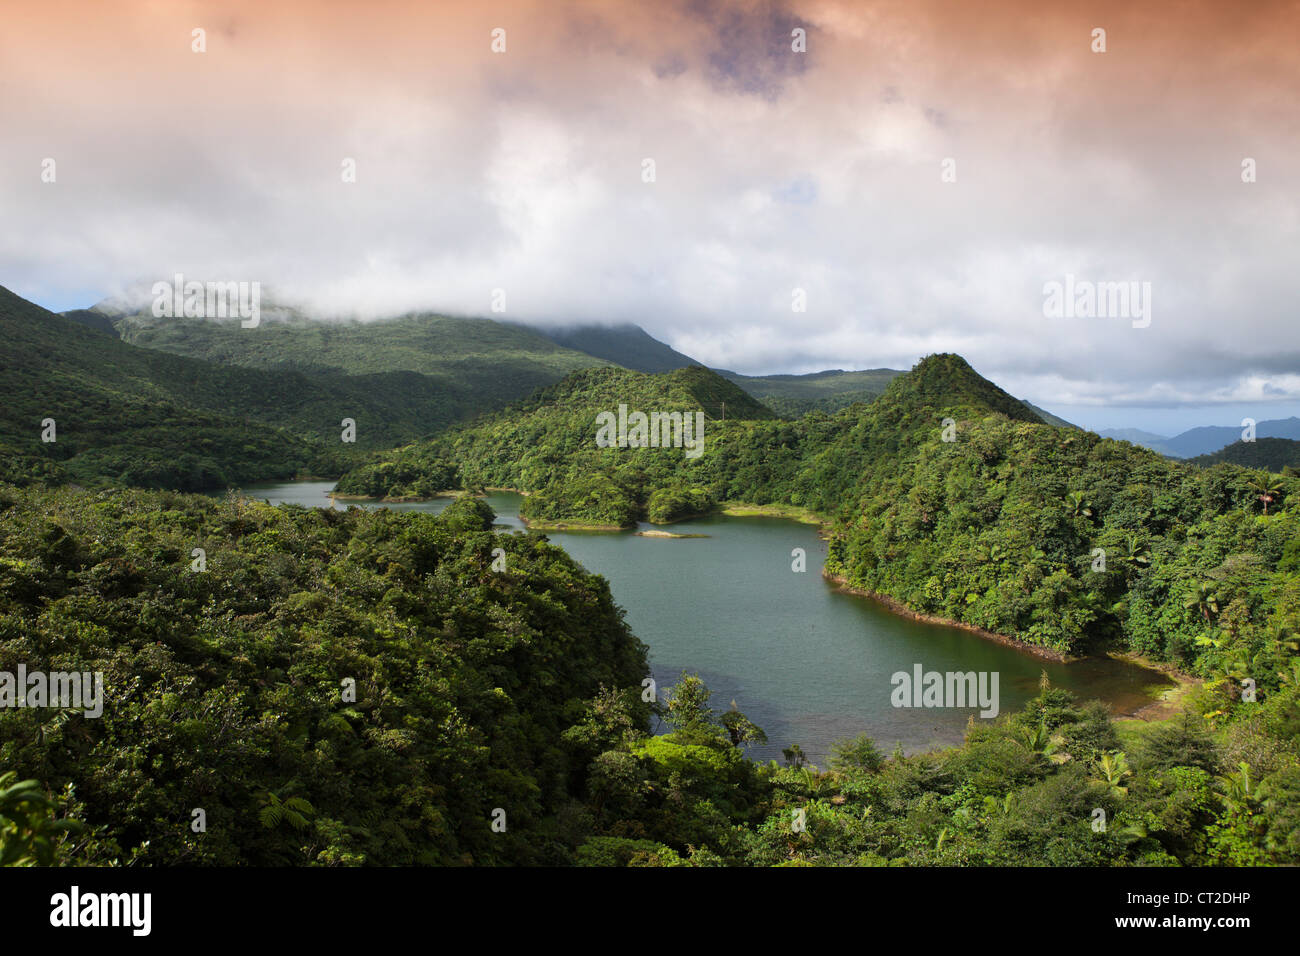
(741,729)
(294,811)
(1267,488)
(1204,600)
(1079,504)
(860,753)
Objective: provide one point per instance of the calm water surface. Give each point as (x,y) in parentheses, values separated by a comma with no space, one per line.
(807,663)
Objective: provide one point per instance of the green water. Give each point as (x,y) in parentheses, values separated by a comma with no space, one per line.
(808,664)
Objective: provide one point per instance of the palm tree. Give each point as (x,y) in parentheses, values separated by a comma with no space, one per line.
(1113,767)
(1203,599)
(1137,553)
(1266,488)
(1079,504)
(1239,791)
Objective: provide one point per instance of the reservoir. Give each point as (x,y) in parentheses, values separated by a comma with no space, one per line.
(806,662)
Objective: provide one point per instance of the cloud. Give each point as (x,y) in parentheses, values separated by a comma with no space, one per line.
(774,170)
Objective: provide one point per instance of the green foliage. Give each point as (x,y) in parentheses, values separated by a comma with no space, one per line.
(1271,454)
(227,689)
(30,834)
(1000,528)
(400,379)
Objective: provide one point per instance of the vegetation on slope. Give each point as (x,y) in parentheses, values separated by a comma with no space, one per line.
(1272,454)
(127,416)
(423,372)
(481,691)
(791,396)
(1054,536)
(226,687)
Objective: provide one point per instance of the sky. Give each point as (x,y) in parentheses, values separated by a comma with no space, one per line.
(920,173)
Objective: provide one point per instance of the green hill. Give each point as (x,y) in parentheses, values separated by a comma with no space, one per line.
(995,520)
(225,686)
(627,345)
(124,415)
(1273,454)
(829,391)
(424,371)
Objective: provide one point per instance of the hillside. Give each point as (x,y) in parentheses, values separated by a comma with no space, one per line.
(129,416)
(1272,454)
(423,372)
(998,527)
(1206,439)
(829,391)
(1047,416)
(225,686)
(548,443)
(627,345)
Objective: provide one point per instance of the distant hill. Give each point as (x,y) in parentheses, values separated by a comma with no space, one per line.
(127,416)
(1136,436)
(627,345)
(1272,454)
(418,373)
(829,391)
(1211,438)
(1206,439)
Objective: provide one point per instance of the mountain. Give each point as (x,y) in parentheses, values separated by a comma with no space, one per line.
(1206,439)
(1136,436)
(123,415)
(946,495)
(828,391)
(1047,416)
(98,321)
(627,345)
(1272,454)
(417,373)
(1211,438)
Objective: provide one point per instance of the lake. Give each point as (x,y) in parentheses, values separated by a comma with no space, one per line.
(806,662)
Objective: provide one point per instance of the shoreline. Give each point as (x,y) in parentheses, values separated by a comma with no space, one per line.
(902,610)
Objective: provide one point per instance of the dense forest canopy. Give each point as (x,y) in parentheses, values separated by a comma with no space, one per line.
(1050,535)
(500,717)
(499,712)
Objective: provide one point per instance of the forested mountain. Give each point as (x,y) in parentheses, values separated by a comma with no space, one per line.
(126,416)
(98,321)
(1207,439)
(547,444)
(1272,454)
(829,391)
(426,370)
(365,687)
(627,345)
(946,494)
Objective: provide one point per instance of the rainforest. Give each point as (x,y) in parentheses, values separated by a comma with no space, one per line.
(377,686)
